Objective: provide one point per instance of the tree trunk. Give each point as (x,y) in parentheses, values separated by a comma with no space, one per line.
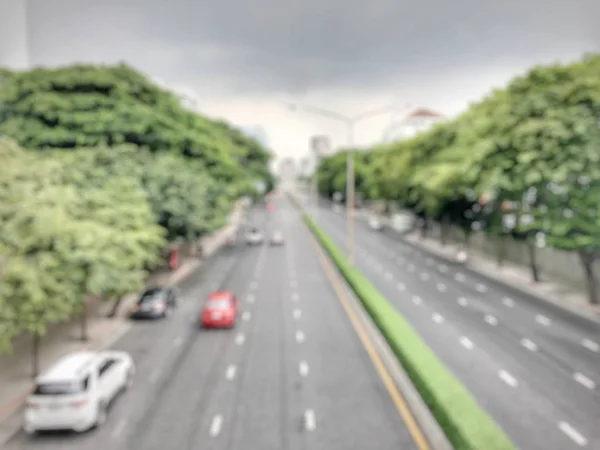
(587,261)
(83,321)
(423,230)
(501,250)
(444,233)
(115,307)
(535,274)
(35,355)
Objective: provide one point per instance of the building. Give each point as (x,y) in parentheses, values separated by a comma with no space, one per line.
(415,122)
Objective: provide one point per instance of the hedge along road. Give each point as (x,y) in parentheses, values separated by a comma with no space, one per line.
(511,357)
(293,375)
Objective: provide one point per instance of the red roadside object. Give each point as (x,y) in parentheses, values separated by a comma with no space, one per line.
(173,260)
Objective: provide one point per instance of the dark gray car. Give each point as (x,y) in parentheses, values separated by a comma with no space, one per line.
(155,303)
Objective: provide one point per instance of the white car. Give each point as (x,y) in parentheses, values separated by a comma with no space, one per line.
(74,393)
(254,237)
(277,238)
(375,224)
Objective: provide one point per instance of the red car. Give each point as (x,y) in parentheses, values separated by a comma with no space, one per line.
(220,311)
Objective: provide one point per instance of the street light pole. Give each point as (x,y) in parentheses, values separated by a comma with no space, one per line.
(350,123)
(350,191)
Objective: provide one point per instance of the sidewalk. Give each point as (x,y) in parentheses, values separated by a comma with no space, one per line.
(569,297)
(16,367)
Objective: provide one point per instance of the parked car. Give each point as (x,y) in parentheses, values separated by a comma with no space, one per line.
(220,311)
(74,394)
(254,237)
(155,303)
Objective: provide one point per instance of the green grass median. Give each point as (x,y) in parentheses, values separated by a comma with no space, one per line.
(466,424)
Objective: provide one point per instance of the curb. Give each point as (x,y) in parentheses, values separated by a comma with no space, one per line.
(435,436)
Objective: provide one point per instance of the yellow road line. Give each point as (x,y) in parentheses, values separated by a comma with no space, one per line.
(386,378)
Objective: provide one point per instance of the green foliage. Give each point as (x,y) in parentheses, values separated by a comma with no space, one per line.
(465,423)
(107,106)
(114,168)
(521,145)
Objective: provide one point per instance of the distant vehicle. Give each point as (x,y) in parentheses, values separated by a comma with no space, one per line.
(375,224)
(254,237)
(74,393)
(155,303)
(220,311)
(277,238)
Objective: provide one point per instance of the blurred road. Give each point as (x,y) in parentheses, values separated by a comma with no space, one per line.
(292,375)
(533,366)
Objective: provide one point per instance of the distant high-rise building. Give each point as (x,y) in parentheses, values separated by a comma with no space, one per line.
(14,35)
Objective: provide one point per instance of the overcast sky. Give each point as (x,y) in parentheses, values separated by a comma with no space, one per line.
(246,60)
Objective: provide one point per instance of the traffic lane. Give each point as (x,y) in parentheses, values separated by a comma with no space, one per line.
(342,390)
(537,384)
(178,414)
(570,346)
(151,344)
(257,410)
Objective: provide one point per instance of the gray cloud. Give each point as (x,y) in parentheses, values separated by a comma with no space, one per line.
(273,46)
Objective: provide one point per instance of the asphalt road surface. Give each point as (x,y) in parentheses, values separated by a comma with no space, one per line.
(535,368)
(292,375)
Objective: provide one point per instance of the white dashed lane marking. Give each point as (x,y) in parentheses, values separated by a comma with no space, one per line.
(441,287)
(216,425)
(303,368)
(416,300)
(240,338)
(424,276)
(400,286)
(582,379)
(462,301)
(297,314)
(230,373)
(508,302)
(295,297)
(299,336)
(459,277)
(529,345)
(466,342)
(310,422)
(542,320)
(481,288)
(437,318)
(591,345)
(491,319)
(245,316)
(508,378)
(573,434)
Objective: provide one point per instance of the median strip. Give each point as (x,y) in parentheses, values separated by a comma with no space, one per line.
(466,424)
